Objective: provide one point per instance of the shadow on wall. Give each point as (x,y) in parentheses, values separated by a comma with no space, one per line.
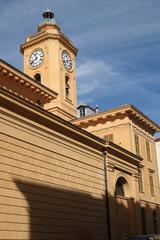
(62,214)
(130,218)
(57,213)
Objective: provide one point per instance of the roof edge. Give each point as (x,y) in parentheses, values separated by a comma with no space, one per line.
(113,111)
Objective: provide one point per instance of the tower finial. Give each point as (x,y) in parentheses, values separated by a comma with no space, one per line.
(48,14)
(48,19)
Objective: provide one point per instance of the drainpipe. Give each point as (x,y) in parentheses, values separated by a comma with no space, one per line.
(107,196)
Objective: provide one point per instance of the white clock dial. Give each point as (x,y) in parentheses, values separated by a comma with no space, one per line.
(36,58)
(67,60)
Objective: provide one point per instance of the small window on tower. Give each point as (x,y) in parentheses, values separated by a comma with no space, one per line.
(67,87)
(37,77)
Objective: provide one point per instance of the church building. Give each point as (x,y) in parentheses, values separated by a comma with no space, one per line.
(65,176)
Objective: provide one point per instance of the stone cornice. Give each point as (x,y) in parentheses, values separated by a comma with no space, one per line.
(157,140)
(41,37)
(122,153)
(38,115)
(63,112)
(24,86)
(30,111)
(142,120)
(126,110)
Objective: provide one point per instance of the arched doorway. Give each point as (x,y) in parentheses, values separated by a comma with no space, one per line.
(121,187)
(122,207)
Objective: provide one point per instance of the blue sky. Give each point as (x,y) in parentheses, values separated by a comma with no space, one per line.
(119,46)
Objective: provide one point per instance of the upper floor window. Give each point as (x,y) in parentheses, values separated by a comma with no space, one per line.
(108,137)
(140,180)
(148,151)
(137,147)
(151,183)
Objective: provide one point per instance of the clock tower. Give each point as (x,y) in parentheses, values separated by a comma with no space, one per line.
(49,58)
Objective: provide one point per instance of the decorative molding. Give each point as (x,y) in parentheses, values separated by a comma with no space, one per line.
(135,176)
(110,166)
(30,111)
(143,132)
(129,111)
(10,77)
(37,39)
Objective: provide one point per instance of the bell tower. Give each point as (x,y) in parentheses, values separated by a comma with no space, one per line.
(49,58)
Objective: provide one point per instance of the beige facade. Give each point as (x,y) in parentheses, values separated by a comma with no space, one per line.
(52,182)
(129,128)
(59,181)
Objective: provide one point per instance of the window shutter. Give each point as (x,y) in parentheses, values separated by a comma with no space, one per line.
(148,151)
(108,137)
(140,181)
(137,144)
(151,184)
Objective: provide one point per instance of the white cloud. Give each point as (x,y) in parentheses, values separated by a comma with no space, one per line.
(121,25)
(100,80)
(98,77)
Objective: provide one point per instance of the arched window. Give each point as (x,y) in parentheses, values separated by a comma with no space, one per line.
(120,187)
(37,77)
(67,87)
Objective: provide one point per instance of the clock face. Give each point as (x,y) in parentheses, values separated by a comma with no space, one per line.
(36,58)
(67,60)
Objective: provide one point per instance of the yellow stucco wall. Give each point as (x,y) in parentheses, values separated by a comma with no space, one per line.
(52,187)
